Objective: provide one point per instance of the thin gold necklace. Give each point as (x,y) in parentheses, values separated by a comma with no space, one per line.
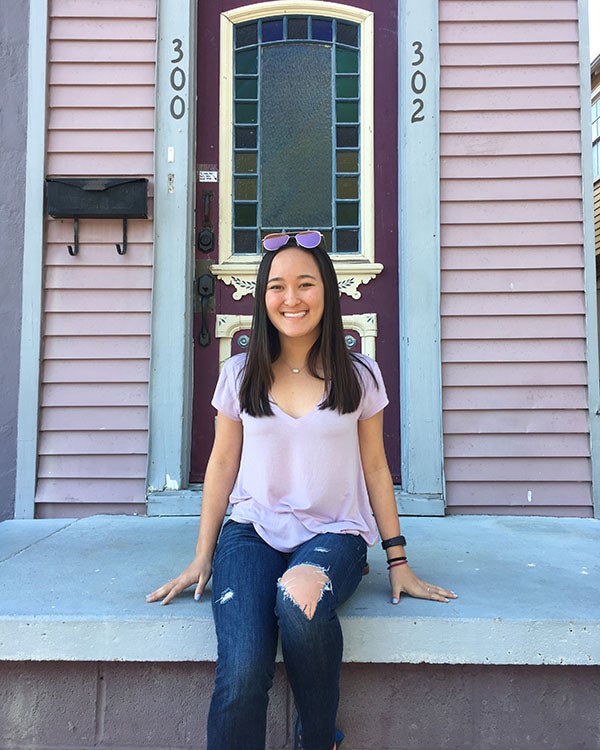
(295,370)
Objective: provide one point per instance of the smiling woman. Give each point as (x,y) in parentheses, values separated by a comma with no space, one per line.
(299,455)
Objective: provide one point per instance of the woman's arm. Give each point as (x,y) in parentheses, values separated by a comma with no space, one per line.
(221,471)
(383,502)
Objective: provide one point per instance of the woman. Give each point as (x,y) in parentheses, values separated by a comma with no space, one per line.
(299,453)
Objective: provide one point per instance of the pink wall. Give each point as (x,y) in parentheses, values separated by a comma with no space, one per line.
(96,332)
(513,326)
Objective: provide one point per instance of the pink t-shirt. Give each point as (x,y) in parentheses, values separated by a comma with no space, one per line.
(303,476)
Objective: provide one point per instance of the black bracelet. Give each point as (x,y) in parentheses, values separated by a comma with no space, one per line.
(395,541)
(396,559)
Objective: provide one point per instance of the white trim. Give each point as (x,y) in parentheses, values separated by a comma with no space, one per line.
(33,248)
(419,256)
(170,386)
(591,307)
(352,270)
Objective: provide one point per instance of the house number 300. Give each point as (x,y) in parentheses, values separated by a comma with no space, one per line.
(418,83)
(177,80)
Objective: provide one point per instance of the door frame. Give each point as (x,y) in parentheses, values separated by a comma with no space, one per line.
(170,385)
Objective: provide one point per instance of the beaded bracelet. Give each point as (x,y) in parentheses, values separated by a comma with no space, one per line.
(396,564)
(396,559)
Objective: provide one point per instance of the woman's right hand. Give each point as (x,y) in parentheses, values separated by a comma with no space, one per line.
(198,572)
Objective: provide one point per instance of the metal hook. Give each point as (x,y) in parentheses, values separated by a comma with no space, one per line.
(123,249)
(74,248)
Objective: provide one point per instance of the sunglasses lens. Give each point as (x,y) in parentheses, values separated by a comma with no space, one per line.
(275,241)
(309,240)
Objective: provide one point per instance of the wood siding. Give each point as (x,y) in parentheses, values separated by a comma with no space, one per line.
(513,308)
(96,332)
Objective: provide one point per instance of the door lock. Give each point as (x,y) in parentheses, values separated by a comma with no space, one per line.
(206,236)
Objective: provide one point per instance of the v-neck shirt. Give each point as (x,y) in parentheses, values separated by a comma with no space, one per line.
(301,476)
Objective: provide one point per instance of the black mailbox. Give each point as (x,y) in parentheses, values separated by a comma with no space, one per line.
(97,198)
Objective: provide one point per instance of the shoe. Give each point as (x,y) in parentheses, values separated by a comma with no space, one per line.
(339,736)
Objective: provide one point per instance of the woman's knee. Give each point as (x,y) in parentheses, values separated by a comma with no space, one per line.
(304,586)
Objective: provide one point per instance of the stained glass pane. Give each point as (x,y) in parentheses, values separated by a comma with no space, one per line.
(347,33)
(347,161)
(246,62)
(346,60)
(245,216)
(295,143)
(245,188)
(346,87)
(246,35)
(347,187)
(245,241)
(272,31)
(246,88)
(347,214)
(246,113)
(347,136)
(347,111)
(322,29)
(347,241)
(245,138)
(245,163)
(298,28)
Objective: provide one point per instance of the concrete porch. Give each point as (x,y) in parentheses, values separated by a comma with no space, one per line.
(513,663)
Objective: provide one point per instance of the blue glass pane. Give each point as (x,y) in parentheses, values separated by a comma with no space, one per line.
(272,31)
(322,29)
(295,139)
(245,188)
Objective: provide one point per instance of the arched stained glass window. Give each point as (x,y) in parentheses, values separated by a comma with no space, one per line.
(296,130)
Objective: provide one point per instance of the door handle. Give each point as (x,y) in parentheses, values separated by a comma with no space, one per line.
(206,290)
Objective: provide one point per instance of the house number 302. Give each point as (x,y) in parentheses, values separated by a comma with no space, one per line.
(418,82)
(178,81)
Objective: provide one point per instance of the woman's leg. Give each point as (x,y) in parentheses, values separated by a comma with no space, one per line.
(321,575)
(245,573)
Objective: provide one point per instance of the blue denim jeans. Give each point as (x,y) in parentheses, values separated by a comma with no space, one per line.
(251,608)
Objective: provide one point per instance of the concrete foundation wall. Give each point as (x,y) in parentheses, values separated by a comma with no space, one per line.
(62,705)
(14,24)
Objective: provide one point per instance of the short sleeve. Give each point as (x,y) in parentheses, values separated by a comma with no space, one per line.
(226,398)
(374,394)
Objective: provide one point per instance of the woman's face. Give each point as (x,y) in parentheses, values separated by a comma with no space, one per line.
(295,295)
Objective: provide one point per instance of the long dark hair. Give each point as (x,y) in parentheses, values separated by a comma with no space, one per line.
(343,389)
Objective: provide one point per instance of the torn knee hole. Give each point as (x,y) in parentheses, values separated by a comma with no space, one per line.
(305,585)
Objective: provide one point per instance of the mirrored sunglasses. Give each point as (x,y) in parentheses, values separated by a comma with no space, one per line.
(308,239)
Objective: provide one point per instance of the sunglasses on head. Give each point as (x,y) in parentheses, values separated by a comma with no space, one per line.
(308,239)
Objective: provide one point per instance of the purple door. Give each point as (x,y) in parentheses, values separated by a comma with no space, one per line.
(297,128)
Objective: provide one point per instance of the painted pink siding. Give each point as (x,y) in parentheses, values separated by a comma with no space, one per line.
(96,330)
(513,326)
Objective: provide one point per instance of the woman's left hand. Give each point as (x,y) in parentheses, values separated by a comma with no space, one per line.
(404,581)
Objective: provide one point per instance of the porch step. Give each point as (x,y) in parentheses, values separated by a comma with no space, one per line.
(529,593)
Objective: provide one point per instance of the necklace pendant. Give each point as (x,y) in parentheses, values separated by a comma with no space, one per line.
(295,370)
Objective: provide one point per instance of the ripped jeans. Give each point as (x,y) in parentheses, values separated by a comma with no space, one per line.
(252,606)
